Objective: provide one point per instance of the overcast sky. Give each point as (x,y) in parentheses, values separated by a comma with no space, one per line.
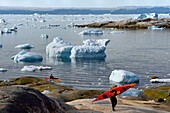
(84,3)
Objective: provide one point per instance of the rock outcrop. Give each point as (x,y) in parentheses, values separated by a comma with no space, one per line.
(131,24)
(19,99)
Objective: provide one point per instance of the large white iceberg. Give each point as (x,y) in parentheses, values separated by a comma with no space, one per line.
(59,48)
(123,77)
(24,46)
(132,92)
(92,32)
(91,49)
(26,56)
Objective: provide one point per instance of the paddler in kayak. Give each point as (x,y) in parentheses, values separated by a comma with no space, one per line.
(51,76)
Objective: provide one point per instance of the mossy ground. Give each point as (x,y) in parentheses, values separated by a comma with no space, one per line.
(156,93)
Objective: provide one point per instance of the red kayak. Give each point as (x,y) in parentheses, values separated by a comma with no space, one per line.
(53,79)
(114,91)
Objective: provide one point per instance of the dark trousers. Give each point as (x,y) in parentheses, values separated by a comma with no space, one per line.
(114,102)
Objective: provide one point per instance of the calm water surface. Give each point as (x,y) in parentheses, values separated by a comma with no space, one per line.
(143,52)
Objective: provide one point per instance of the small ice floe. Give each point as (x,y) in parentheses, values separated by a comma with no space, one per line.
(3,70)
(42,20)
(160,80)
(2,20)
(0,45)
(33,68)
(148,15)
(155,28)
(6,30)
(46,92)
(92,32)
(24,46)
(123,77)
(70,25)
(26,56)
(117,32)
(44,36)
(132,92)
(14,29)
(29,68)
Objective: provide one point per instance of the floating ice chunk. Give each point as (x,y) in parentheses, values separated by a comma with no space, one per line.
(92,32)
(59,48)
(45,92)
(155,28)
(29,68)
(3,70)
(117,32)
(88,52)
(24,46)
(6,30)
(123,77)
(43,68)
(34,68)
(14,28)
(44,36)
(25,56)
(2,21)
(94,42)
(0,45)
(132,92)
(148,15)
(160,80)
(93,49)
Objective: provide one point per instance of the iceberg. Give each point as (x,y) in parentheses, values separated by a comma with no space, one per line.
(24,46)
(6,30)
(26,56)
(98,42)
(44,36)
(29,68)
(92,32)
(148,15)
(3,70)
(34,68)
(91,49)
(59,48)
(0,45)
(132,92)
(160,80)
(123,77)
(155,28)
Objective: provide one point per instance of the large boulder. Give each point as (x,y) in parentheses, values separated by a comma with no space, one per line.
(17,99)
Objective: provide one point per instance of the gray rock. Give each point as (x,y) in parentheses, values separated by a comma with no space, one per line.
(18,99)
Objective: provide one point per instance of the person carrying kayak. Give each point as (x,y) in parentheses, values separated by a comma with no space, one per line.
(113,98)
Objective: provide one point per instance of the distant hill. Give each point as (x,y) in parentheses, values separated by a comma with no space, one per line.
(120,10)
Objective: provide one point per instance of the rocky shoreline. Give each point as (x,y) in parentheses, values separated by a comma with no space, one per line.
(131,24)
(23,95)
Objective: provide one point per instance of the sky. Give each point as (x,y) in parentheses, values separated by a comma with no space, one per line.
(84,3)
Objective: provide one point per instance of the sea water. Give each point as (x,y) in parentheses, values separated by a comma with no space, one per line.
(143,52)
